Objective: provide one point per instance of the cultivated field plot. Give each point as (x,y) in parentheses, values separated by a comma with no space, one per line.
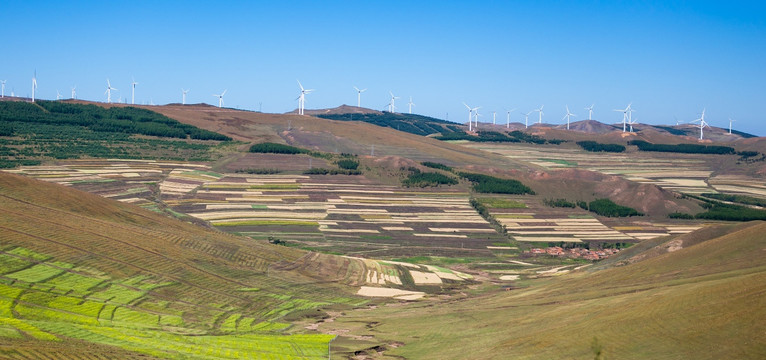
(538,223)
(131,181)
(341,212)
(684,173)
(733,184)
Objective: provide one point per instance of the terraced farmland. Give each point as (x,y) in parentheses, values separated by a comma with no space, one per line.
(537,223)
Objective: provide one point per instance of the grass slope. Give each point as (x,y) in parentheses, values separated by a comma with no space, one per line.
(77,267)
(704,301)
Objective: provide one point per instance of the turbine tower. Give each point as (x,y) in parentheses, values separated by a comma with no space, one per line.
(133,92)
(508,118)
(359,96)
(2,95)
(34,85)
(220,98)
(567,116)
(108,91)
(702,122)
(590,111)
(392,105)
(183,96)
(494,117)
(624,116)
(58,95)
(74,93)
(540,112)
(526,119)
(302,98)
(730,121)
(631,122)
(470,117)
(411,104)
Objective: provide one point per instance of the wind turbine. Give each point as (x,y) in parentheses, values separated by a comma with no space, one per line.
(108,91)
(220,98)
(411,104)
(540,111)
(476,117)
(730,121)
(302,98)
(133,92)
(567,116)
(508,118)
(702,122)
(590,111)
(359,96)
(34,85)
(183,96)
(470,115)
(494,117)
(526,119)
(74,93)
(624,116)
(58,95)
(392,105)
(631,122)
(3,84)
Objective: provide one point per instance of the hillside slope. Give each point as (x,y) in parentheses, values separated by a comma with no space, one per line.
(75,267)
(701,301)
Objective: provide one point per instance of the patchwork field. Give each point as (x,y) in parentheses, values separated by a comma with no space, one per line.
(679,172)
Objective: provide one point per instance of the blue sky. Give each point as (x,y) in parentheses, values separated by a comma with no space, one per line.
(670,59)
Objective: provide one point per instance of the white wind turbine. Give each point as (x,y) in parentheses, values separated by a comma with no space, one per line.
(133,91)
(526,119)
(392,105)
(476,118)
(58,95)
(590,111)
(702,121)
(74,93)
(494,117)
(411,104)
(569,114)
(220,98)
(359,96)
(624,116)
(2,95)
(540,112)
(302,98)
(108,91)
(631,122)
(730,121)
(183,96)
(470,115)
(34,85)
(508,118)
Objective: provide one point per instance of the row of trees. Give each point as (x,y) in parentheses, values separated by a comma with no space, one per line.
(493,185)
(425,179)
(515,136)
(609,208)
(436,165)
(411,123)
(683,148)
(598,147)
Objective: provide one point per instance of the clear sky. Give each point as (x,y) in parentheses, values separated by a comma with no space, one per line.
(670,59)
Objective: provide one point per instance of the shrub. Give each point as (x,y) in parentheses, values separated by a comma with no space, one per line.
(274,148)
(678,215)
(423,179)
(559,203)
(348,164)
(435,165)
(606,207)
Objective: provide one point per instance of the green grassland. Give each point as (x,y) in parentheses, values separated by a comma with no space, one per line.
(76,267)
(704,301)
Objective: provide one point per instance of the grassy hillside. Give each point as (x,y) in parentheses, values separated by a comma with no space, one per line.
(77,268)
(701,301)
(33,132)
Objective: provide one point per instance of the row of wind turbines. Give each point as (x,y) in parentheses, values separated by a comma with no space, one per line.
(473,112)
(627,118)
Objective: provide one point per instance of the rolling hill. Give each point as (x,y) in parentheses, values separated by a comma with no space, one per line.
(695,299)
